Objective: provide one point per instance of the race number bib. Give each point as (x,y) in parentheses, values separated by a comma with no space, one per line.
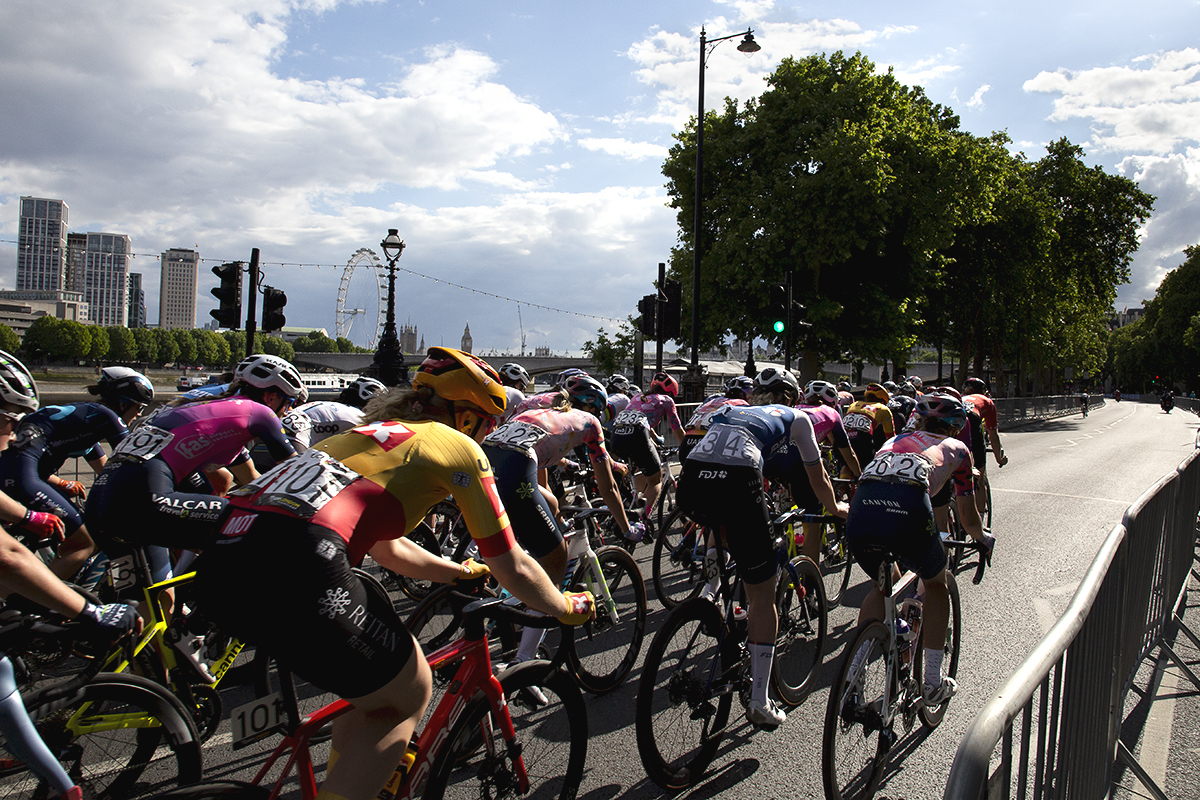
(629,420)
(858,422)
(143,443)
(702,420)
(301,485)
(519,436)
(910,468)
(296,422)
(728,444)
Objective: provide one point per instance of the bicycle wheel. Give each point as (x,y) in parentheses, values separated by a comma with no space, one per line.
(836,562)
(681,712)
(665,506)
(678,566)
(437,621)
(855,749)
(119,736)
(551,741)
(932,715)
(416,588)
(602,652)
(803,623)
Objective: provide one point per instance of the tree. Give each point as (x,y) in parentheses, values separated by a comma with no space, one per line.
(9,341)
(315,342)
(609,354)
(187,346)
(206,352)
(168,348)
(38,341)
(147,345)
(1168,333)
(273,345)
(122,345)
(98,342)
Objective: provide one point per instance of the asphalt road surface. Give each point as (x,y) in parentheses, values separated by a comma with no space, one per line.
(1067,484)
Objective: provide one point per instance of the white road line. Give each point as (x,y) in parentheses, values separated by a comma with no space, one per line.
(1070,496)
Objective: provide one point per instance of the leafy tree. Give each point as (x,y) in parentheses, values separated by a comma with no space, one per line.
(168,348)
(344,345)
(206,351)
(72,339)
(221,347)
(315,342)
(38,343)
(187,346)
(9,341)
(122,345)
(609,354)
(1169,331)
(98,345)
(275,346)
(236,342)
(147,345)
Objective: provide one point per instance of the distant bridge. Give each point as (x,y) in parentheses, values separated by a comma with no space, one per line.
(357,362)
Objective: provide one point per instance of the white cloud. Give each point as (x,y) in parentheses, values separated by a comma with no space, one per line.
(624,148)
(976,101)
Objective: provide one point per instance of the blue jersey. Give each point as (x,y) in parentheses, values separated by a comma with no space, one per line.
(53,434)
(761,436)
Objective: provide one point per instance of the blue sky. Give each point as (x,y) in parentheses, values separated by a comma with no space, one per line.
(517,146)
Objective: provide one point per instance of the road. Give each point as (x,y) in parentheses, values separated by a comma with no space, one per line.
(1067,484)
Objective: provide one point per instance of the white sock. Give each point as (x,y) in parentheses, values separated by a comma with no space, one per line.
(762,657)
(530,639)
(933,666)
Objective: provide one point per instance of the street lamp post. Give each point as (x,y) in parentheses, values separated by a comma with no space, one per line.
(389,365)
(748,45)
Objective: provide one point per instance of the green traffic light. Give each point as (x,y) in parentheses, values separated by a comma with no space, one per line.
(779,326)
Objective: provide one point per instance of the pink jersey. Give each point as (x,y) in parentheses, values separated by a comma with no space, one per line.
(540,400)
(827,422)
(924,459)
(701,418)
(653,408)
(547,435)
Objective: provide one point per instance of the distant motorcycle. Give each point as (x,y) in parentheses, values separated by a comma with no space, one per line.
(1167,403)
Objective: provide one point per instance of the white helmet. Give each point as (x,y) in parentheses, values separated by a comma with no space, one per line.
(360,390)
(264,371)
(513,374)
(817,392)
(16,384)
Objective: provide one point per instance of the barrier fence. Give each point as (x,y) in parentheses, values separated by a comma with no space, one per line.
(1053,730)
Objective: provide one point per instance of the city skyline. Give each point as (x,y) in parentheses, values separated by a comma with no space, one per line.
(517,147)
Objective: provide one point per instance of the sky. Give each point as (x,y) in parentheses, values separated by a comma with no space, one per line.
(517,145)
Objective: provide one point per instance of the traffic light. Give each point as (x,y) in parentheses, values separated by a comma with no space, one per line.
(672,309)
(229,315)
(779,308)
(648,306)
(272,313)
(796,317)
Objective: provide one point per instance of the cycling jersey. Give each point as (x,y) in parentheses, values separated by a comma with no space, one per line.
(869,425)
(619,402)
(513,398)
(986,408)
(314,422)
(700,420)
(902,408)
(546,435)
(377,482)
(540,400)
(924,459)
(759,436)
(827,424)
(648,410)
(44,441)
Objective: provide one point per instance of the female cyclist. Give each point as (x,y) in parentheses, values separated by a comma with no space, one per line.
(153,492)
(633,437)
(49,436)
(288,547)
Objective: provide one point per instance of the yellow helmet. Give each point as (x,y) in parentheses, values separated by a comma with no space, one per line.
(876,393)
(461,377)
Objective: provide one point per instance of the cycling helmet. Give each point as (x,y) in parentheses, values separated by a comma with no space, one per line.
(664,384)
(618,383)
(123,383)
(16,384)
(915,382)
(950,390)
(817,392)
(458,376)
(891,387)
(587,391)
(513,374)
(265,372)
(739,388)
(944,407)
(876,394)
(777,381)
(360,390)
(567,373)
(974,386)
(908,390)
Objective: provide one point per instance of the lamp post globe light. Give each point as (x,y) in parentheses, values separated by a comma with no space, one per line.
(694,377)
(388,365)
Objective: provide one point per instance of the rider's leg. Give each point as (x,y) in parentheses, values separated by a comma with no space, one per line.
(21,737)
(935,616)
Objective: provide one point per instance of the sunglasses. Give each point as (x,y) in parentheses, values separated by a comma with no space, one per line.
(8,416)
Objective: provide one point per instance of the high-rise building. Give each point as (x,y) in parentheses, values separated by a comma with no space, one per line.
(106,278)
(76,256)
(41,244)
(177,288)
(137,301)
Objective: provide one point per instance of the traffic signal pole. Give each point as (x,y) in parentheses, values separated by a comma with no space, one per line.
(252,302)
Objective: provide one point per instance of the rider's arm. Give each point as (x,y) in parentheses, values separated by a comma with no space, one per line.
(608,490)
(801,433)
(23,573)
(413,561)
(997,450)
(968,516)
(851,459)
(520,574)
(243,472)
(818,478)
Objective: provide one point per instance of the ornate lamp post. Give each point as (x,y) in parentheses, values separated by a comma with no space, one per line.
(389,364)
(748,45)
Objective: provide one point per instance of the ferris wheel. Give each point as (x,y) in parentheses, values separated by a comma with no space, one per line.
(359,300)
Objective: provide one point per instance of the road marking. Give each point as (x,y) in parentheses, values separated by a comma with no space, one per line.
(1044,608)
(1069,496)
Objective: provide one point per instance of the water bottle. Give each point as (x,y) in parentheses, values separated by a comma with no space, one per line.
(910,614)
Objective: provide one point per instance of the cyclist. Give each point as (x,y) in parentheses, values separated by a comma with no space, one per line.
(619,391)
(868,423)
(18,397)
(820,404)
(634,439)
(892,513)
(722,487)
(737,393)
(152,492)
(515,380)
(50,435)
(845,398)
(521,450)
(307,425)
(287,554)
(976,394)
(902,405)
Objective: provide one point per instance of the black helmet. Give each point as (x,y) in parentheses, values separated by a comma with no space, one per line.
(360,390)
(124,384)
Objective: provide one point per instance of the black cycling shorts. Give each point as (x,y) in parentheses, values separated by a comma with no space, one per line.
(895,519)
(638,449)
(528,509)
(288,586)
(732,497)
(22,481)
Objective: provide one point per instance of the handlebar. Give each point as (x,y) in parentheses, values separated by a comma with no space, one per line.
(985,558)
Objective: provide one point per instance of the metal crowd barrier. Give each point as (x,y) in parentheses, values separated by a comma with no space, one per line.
(1013,411)
(1053,730)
